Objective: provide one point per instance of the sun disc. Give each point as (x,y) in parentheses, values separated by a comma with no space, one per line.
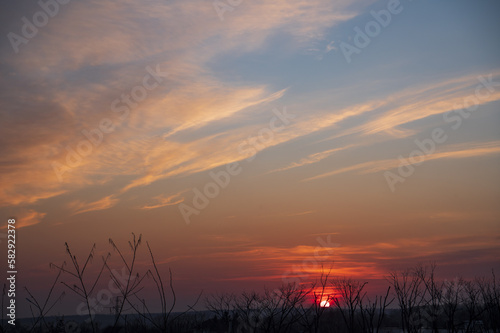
(324,304)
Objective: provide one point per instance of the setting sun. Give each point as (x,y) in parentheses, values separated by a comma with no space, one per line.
(324,304)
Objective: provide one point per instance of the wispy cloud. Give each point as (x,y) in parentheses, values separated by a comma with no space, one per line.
(162,137)
(162,201)
(422,102)
(79,207)
(371,260)
(26,217)
(150,159)
(83,82)
(450,152)
(302,213)
(312,158)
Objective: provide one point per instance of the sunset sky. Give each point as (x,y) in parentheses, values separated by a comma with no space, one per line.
(242,137)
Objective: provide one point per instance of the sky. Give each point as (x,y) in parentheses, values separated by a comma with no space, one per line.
(251,142)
